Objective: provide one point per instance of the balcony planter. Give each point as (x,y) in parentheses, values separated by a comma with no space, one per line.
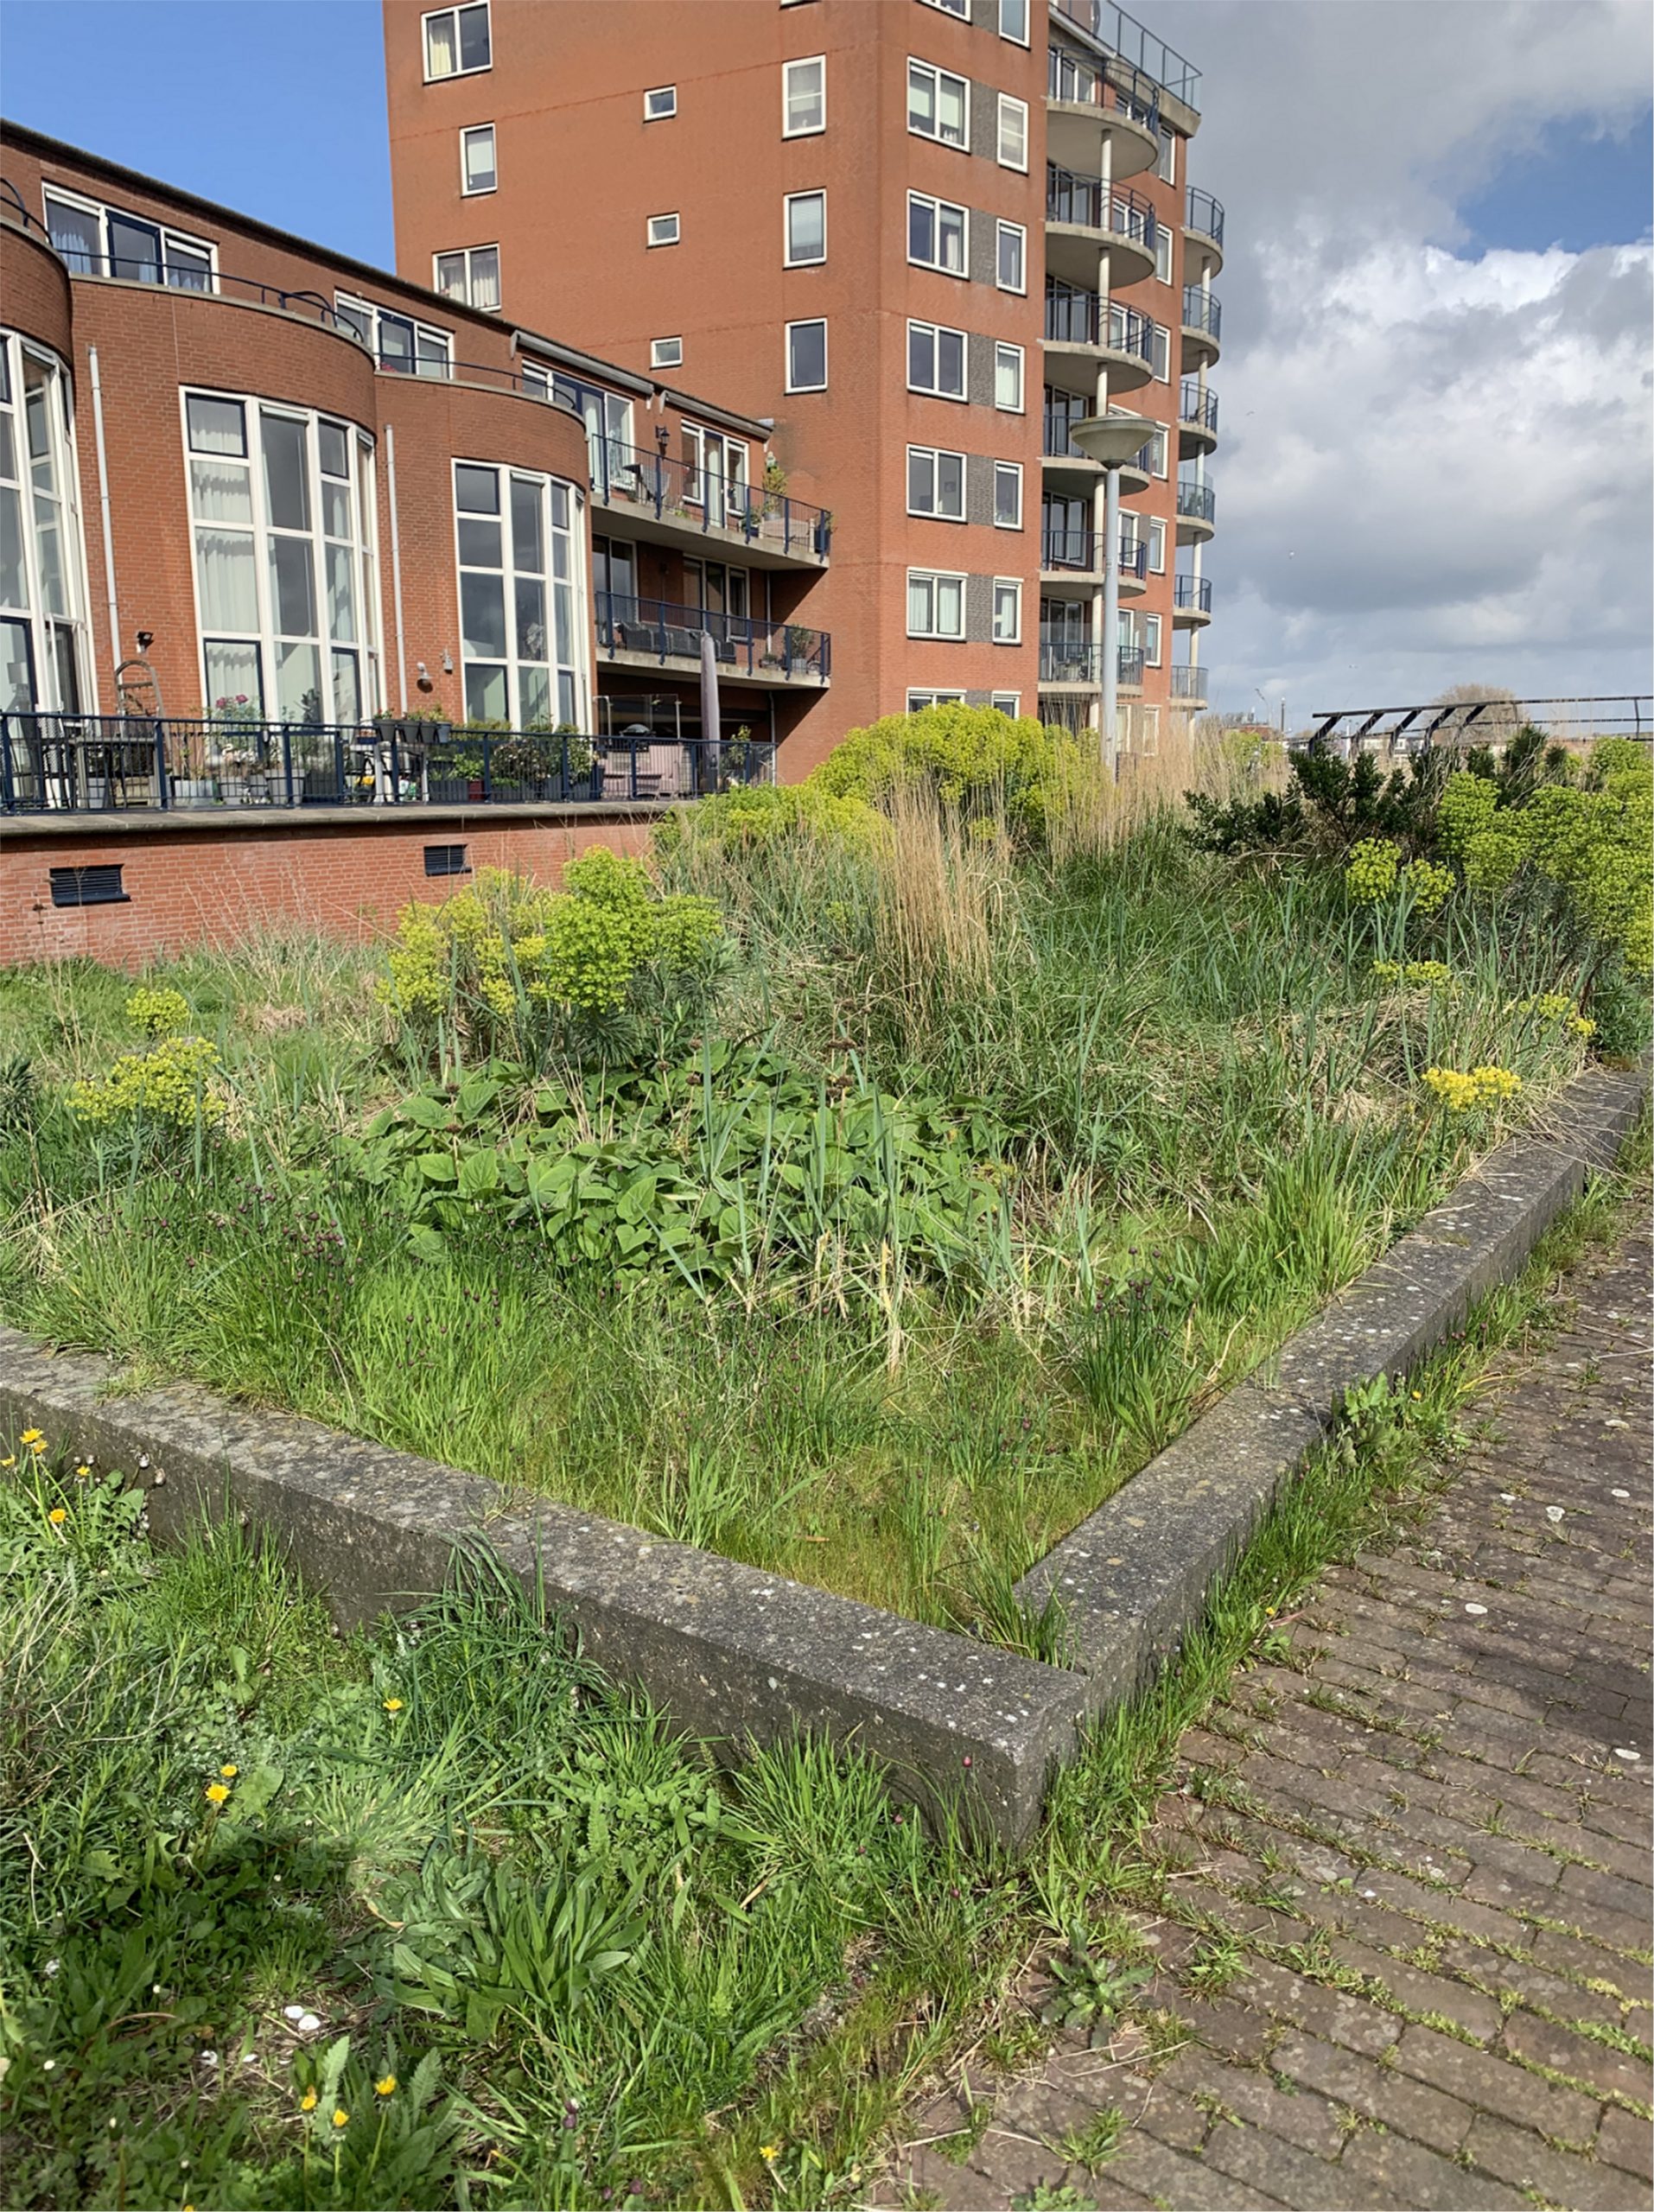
(196,790)
(448,791)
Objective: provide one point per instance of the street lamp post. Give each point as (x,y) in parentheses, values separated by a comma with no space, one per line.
(1111,440)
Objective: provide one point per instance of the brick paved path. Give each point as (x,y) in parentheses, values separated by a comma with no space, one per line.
(1404,1927)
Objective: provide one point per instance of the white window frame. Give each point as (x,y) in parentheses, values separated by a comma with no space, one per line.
(576,582)
(1013,470)
(1006,8)
(1159,458)
(1003,347)
(43,624)
(1148,720)
(789,259)
(935,455)
(352,309)
(1013,586)
(653,235)
(1160,352)
(789,129)
(1163,252)
(1165,165)
(667,92)
(962,144)
(1018,231)
(477,68)
(938,330)
(1151,637)
(1010,703)
(478,191)
(1009,105)
(806,322)
(661,357)
(171,237)
(918,701)
(1156,546)
(932,578)
(961,9)
(937,207)
(465,253)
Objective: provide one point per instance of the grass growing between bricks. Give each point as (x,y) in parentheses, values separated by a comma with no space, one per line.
(445,1882)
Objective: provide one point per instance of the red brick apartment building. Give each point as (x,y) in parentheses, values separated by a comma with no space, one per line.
(921,237)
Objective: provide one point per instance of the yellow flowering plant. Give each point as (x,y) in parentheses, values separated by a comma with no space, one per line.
(1463,1091)
(162,1013)
(171,1087)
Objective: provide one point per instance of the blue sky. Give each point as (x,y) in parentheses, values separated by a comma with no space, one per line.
(1581,185)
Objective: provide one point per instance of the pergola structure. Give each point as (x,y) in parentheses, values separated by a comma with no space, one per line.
(1409,729)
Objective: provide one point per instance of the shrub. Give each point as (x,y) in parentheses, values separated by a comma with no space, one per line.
(974,757)
(170,1085)
(1462,1090)
(1372,870)
(162,1013)
(1591,847)
(770,814)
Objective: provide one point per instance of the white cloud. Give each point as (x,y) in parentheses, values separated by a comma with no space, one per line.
(1432,468)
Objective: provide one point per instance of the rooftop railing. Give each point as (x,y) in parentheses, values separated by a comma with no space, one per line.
(668,486)
(1082,550)
(1206,215)
(1087,200)
(1194,405)
(1190,684)
(665,630)
(1202,312)
(1197,501)
(1071,79)
(1125,35)
(1193,593)
(100,764)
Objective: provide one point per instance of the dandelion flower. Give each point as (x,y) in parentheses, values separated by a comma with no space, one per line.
(229,1772)
(31,1436)
(342,2118)
(38,1447)
(307,2101)
(393,1704)
(10,1461)
(217,1792)
(57,1516)
(771,2151)
(81,1472)
(385,2086)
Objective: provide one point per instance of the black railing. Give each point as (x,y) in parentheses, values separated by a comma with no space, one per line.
(1202,312)
(1197,501)
(1193,593)
(1098,207)
(1074,317)
(1081,549)
(1190,682)
(665,630)
(1204,214)
(1077,84)
(1078,661)
(670,487)
(98,764)
(1136,45)
(1196,406)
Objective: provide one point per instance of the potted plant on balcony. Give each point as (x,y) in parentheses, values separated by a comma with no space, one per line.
(425,759)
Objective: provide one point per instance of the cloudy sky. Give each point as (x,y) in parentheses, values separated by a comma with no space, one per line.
(1435,391)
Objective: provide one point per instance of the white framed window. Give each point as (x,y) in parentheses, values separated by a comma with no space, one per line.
(1157,546)
(1013,133)
(935,603)
(524,613)
(95,240)
(1160,351)
(936,483)
(44,644)
(1148,720)
(936,360)
(459,42)
(663,230)
(659,102)
(1158,450)
(665,352)
(1007,495)
(715,471)
(1011,258)
(1166,167)
(807,356)
(397,342)
(938,234)
(918,701)
(1163,252)
(1007,610)
(1007,378)
(1007,702)
(1014,21)
(938,105)
(284,519)
(471,274)
(479,171)
(804,230)
(1151,640)
(959,8)
(803,97)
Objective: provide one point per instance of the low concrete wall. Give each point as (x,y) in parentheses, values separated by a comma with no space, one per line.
(739,1655)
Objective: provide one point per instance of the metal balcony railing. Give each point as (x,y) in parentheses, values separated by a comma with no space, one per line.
(1193,592)
(1125,36)
(1196,406)
(1074,317)
(1189,683)
(665,630)
(1204,214)
(1202,312)
(1088,201)
(1081,549)
(1063,660)
(1197,501)
(100,764)
(627,476)
(1077,84)
(1058,445)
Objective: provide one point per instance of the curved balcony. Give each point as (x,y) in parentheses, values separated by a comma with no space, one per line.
(1197,511)
(1085,218)
(1072,561)
(1087,110)
(1203,322)
(1067,467)
(1190,686)
(1085,332)
(1191,602)
(1197,419)
(1203,231)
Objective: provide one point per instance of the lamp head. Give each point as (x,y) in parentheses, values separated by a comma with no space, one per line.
(1111,439)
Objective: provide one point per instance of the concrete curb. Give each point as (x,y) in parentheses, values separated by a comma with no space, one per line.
(736,1654)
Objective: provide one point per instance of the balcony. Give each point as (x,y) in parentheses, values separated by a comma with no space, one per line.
(1202,326)
(1087,107)
(1191,602)
(1197,509)
(60,766)
(1137,48)
(1189,684)
(1067,467)
(1085,217)
(687,505)
(1074,558)
(1203,231)
(1197,419)
(1085,332)
(662,633)
(1077,665)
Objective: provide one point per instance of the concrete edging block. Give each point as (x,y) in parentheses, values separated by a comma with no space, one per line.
(739,1655)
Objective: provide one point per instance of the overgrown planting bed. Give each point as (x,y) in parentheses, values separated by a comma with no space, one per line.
(865,1197)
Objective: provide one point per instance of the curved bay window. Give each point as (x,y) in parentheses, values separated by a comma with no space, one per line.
(281,505)
(43,569)
(523,609)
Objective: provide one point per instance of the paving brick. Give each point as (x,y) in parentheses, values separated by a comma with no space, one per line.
(1628,2142)
(1190,2184)
(1380,2092)
(1418,1992)
(1518,2156)
(1496,2085)
(1295,2177)
(1298,2116)
(1379,2160)
(1544,2043)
